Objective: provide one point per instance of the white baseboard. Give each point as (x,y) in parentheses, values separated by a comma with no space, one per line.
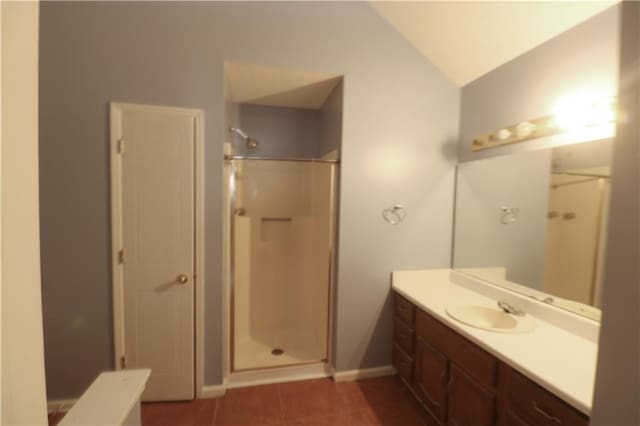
(212,391)
(365,373)
(60,405)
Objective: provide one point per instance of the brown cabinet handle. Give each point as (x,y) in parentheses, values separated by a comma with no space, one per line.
(544,414)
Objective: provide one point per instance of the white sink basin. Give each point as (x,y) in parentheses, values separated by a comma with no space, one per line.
(492,319)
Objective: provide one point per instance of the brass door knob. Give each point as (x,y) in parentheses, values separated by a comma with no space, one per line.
(182,279)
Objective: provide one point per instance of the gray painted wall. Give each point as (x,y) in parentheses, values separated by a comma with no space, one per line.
(616,399)
(281,132)
(581,60)
(399,141)
(331,122)
(481,240)
(289,132)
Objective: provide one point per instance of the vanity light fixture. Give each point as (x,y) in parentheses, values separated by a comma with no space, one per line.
(569,116)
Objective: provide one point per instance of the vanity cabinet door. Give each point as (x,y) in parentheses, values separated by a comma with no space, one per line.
(470,404)
(430,378)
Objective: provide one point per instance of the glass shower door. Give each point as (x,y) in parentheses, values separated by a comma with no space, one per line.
(282,232)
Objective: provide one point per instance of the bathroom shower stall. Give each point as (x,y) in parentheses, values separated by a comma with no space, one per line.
(281,174)
(282,227)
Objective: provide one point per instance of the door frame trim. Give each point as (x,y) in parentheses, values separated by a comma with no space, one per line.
(115,133)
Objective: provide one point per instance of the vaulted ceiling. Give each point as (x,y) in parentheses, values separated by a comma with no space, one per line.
(281,87)
(466,39)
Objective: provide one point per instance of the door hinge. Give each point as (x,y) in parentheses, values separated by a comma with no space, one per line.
(121,257)
(123,362)
(120,146)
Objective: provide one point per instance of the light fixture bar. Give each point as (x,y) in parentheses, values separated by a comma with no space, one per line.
(570,118)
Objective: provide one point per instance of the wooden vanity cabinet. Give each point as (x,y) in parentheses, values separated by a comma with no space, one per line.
(430,375)
(403,337)
(460,384)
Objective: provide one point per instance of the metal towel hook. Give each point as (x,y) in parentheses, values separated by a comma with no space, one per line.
(509,214)
(394,215)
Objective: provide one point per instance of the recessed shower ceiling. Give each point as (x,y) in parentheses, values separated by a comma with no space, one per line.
(467,39)
(281,87)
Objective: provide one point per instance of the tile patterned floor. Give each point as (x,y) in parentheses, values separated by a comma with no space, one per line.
(373,402)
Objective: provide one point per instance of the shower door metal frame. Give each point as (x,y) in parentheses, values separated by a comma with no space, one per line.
(231,213)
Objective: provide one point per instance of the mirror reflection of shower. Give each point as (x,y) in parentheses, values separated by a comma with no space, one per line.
(250,143)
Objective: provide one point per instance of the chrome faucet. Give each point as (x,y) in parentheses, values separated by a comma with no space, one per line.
(510,309)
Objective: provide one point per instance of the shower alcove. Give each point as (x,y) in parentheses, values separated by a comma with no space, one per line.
(282,152)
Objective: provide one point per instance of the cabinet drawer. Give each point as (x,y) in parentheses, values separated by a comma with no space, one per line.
(432,331)
(536,406)
(404,309)
(479,364)
(403,363)
(403,336)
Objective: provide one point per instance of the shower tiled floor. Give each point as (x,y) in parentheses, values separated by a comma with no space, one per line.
(321,402)
(298,349)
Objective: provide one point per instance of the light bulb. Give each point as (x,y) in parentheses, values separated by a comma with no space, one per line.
(603,111)
(577,113)
(501,135)
(525,129)
(572,117)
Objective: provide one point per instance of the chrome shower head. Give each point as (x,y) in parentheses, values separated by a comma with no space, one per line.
(251,144)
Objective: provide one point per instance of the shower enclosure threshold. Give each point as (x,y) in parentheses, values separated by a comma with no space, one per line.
(281,374)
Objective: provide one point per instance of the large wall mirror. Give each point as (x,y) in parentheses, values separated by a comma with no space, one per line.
(536,222)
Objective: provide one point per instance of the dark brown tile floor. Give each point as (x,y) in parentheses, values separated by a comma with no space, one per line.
(373,402)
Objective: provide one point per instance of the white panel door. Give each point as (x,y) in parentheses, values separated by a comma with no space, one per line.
(155,149)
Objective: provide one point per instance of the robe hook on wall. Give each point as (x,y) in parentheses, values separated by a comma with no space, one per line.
(509,214)
(394,215)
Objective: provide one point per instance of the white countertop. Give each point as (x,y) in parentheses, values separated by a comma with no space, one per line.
(557,359)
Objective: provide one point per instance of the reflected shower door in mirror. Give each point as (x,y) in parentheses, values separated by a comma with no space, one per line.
(281,235)
(536,222)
